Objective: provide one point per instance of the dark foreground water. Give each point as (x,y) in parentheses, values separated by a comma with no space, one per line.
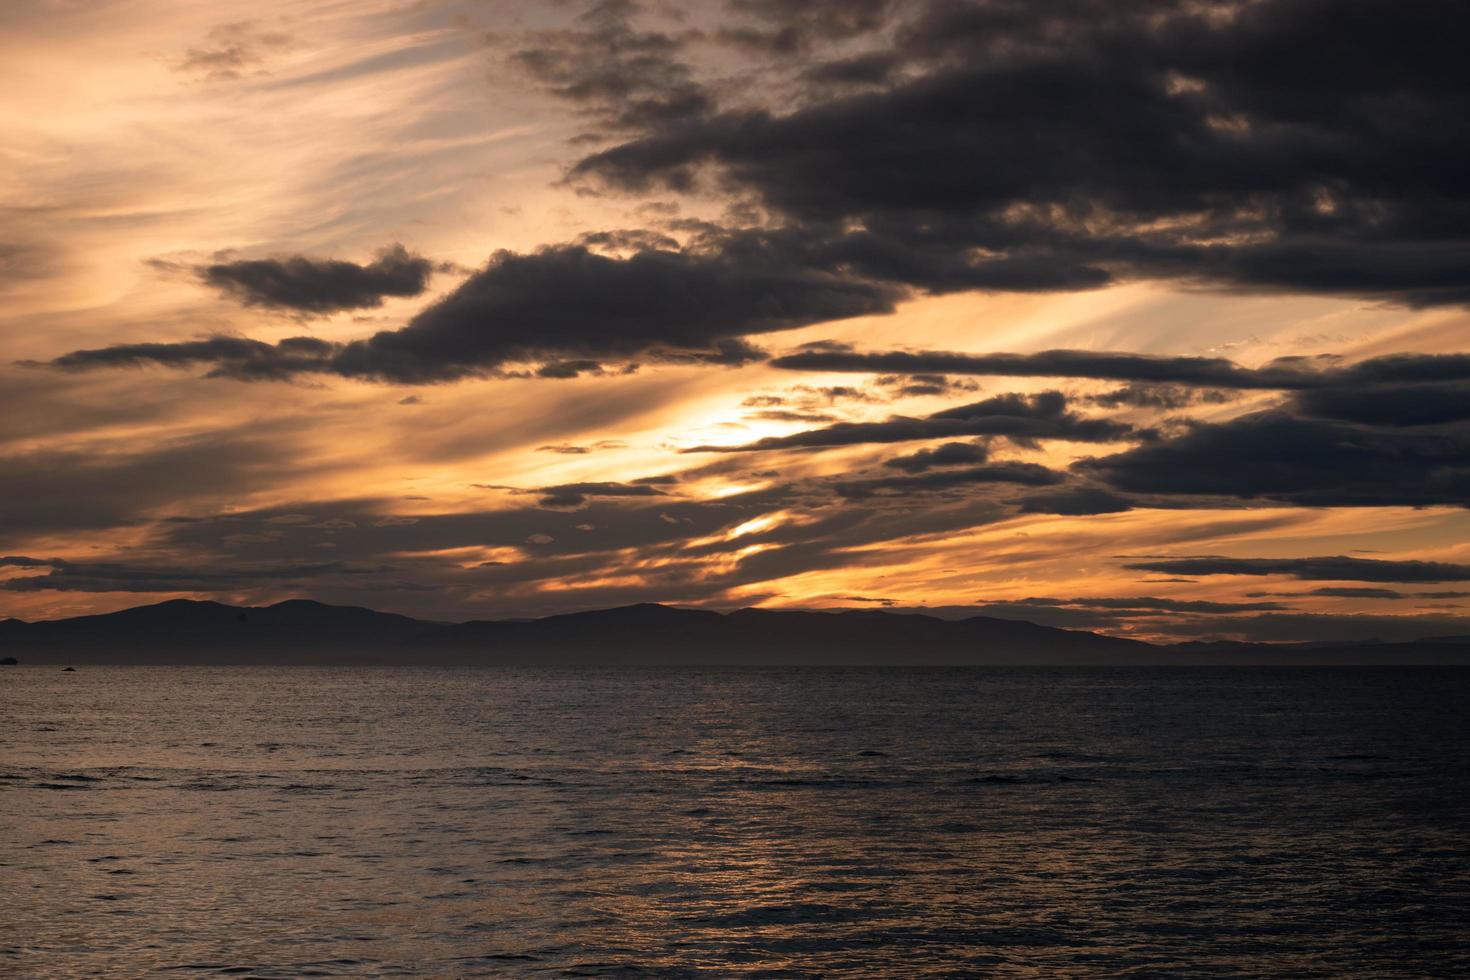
(1049,822)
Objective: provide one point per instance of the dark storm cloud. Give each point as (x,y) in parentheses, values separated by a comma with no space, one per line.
(569,369)
(233,357)
(872,68)
(1387,431)
(1039,416)
(949,454)
(1348,592)
(1027,474)
(1075,502)
(1288,373)
(310,285)
(1335,568)
(564,306)
(1159,397)
(21,561)
(1293,145)
(1277,456)
(570,300)
(1389,404)
(1284,145)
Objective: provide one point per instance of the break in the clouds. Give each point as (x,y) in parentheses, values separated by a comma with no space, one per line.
(953,302)
(1041,416)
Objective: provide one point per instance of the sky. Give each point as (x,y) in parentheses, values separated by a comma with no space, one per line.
(1147,317)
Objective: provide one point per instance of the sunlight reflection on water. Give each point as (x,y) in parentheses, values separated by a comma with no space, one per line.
(446,822)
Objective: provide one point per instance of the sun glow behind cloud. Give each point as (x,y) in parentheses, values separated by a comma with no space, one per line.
(146,142)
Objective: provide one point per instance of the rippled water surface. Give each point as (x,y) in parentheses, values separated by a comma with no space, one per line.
(360,822)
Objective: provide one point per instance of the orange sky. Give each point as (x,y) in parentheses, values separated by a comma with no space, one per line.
(145,141)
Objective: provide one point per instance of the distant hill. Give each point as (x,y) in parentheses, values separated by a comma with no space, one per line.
(305,632)
(183,631)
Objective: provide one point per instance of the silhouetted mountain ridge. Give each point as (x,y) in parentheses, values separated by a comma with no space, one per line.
(300,631)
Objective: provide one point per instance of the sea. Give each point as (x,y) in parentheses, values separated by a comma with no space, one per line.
(1050,822)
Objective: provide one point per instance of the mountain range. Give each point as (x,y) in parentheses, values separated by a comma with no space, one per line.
(299,631)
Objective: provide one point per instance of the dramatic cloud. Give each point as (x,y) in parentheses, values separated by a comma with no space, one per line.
(1289,373)
(233,357)
(1387,431)
(949,454)
(1076,502)
(564,307)
(1389,404)
(1020,417)
(658,191)
(1070,146)
(1332,569)
(1276,456)
(321,285)
(570,301)
(1366,592)
(1039,148)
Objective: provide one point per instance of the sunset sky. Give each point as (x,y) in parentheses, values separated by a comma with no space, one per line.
(1144,318)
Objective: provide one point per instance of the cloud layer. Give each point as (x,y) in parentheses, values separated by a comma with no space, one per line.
(807,279)
(310,285)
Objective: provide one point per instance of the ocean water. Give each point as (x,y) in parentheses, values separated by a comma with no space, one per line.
(196,822)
